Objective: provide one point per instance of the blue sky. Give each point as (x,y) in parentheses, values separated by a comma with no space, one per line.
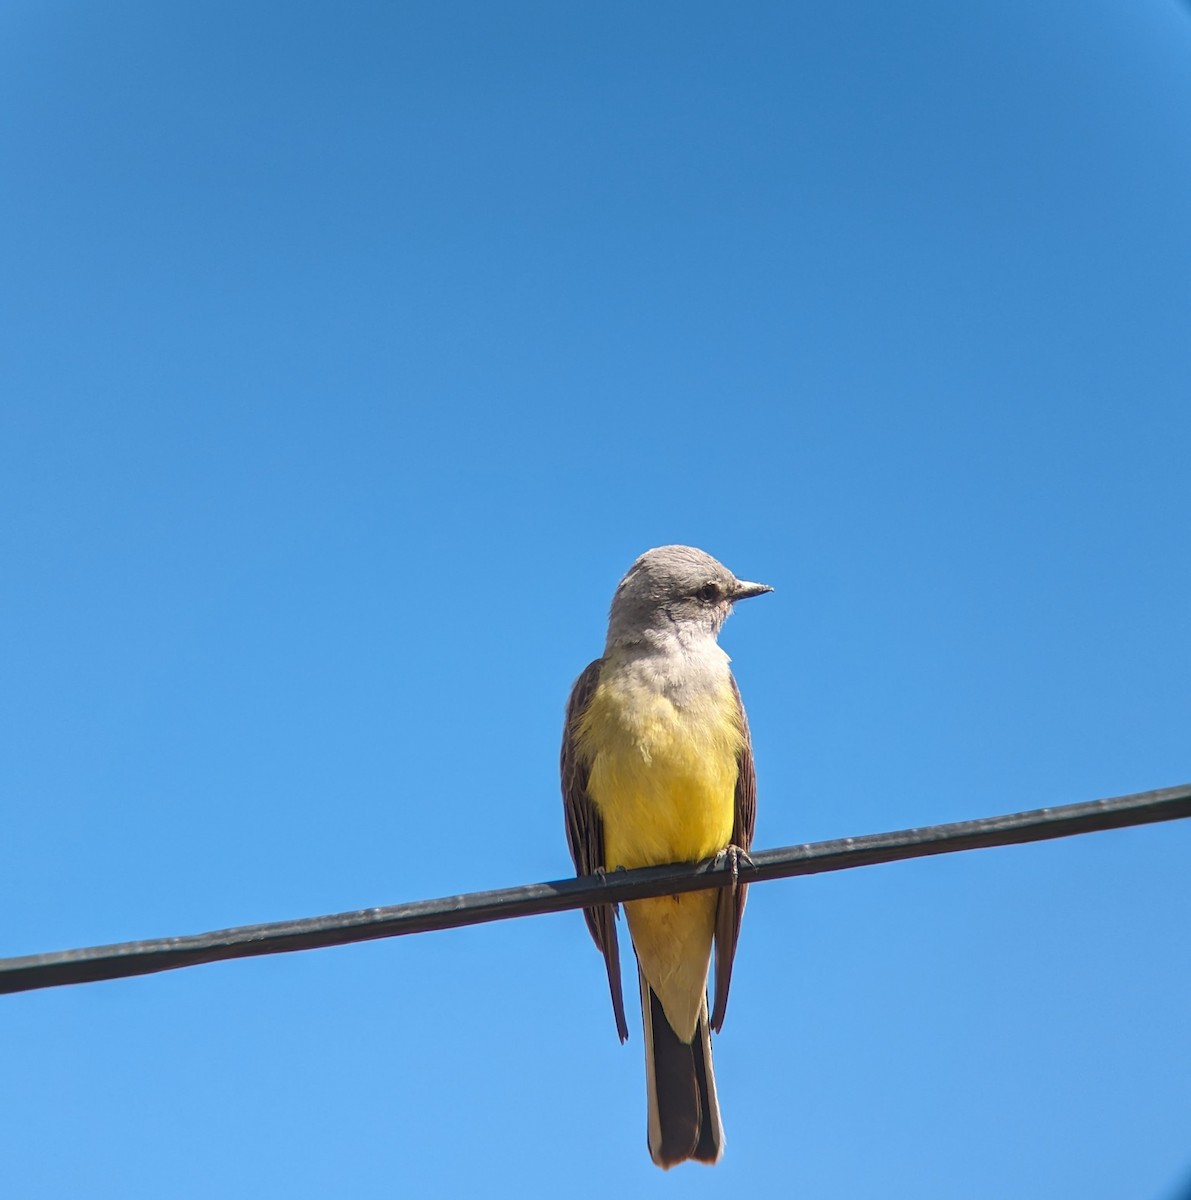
(349,355)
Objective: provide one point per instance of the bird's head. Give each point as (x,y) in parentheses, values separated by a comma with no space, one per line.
(675,590)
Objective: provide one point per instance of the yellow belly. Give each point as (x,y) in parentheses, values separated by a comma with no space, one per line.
(664,781)
(663,778)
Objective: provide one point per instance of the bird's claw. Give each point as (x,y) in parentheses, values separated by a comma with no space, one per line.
(601,873)
(732,858)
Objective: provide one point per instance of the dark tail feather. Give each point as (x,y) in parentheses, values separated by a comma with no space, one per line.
(684,1114)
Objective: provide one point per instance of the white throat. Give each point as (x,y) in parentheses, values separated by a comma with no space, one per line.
(679,663)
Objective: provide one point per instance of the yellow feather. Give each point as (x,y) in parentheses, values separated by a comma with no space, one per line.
(663,778)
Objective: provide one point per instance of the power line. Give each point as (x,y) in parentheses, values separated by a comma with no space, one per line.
(165,954)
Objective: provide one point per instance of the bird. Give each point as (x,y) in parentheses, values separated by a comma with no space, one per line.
(657,767)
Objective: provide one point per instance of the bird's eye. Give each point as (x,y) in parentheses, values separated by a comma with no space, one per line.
(709,592)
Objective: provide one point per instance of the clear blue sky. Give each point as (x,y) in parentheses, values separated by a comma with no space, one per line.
(348,356)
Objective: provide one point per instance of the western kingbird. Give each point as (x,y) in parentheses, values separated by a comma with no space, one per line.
(657,767)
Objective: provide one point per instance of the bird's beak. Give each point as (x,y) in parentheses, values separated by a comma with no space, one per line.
(745,590)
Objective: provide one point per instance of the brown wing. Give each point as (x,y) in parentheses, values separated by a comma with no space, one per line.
(585,836)
(730,909)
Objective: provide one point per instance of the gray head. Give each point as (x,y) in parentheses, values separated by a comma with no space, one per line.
(675,591)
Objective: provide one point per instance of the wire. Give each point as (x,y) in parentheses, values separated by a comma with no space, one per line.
(166,954)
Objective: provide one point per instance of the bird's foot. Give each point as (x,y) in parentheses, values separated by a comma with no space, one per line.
(601,873)
(733,858)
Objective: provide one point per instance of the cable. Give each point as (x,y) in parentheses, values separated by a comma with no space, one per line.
(166,954)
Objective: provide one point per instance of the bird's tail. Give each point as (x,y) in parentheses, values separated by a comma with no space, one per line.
(684,1114)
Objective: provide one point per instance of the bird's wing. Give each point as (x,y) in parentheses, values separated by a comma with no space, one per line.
(585,836)
(730,909)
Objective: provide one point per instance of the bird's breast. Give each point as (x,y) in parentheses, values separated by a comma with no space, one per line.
(662,760)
